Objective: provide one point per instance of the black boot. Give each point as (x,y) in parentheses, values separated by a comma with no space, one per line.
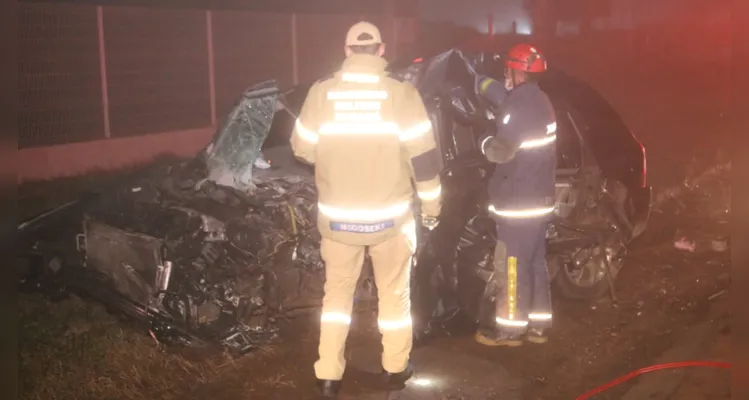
(329,388)
(494,338)
(396,381)
(537,335)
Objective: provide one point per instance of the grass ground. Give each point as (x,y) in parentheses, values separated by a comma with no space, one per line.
(76,349)
(710,383)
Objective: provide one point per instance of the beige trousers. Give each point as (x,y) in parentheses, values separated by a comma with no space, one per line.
(391,262)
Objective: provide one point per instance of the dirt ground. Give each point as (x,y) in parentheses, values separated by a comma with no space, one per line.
(73,348)
(663,293)
(701,384)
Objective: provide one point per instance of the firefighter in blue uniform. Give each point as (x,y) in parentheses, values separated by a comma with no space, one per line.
(521,198)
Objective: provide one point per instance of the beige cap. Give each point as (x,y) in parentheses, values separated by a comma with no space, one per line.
(362,34)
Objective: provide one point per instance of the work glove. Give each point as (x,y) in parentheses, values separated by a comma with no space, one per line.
(429,222)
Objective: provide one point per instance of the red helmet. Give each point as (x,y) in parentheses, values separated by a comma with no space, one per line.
(525,57)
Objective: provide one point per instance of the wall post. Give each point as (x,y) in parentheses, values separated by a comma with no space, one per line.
(211,67)
(103,70)
(294,52)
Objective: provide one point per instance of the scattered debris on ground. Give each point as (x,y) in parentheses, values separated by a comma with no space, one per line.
(706,192)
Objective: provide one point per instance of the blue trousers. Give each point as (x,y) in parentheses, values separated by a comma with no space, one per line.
(523,297)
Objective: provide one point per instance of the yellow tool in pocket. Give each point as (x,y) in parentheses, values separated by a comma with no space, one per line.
(512,287)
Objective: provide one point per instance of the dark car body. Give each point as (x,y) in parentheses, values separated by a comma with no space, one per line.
(212,250)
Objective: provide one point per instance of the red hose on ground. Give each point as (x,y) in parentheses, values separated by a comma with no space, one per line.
(652,368)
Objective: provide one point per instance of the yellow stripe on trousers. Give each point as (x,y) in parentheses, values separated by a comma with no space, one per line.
(512,287)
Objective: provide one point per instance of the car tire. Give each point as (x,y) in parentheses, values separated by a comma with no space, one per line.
(567,288)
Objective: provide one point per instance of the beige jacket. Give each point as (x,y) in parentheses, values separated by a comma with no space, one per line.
(370,140)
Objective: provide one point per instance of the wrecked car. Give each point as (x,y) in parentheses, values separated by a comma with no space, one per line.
(212,251)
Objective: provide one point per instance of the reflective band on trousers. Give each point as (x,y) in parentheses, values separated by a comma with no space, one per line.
(359,78)
(539,316)
(431,194)
(510,322)
(335,318)
(390,325)
(522,213)
(364,215)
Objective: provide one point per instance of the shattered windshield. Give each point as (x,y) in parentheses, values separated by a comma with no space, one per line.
(236,145)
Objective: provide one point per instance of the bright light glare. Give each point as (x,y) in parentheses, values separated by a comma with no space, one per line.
(524,28)
(423,382)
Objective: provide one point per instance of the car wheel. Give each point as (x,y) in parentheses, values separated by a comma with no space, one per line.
(584,274)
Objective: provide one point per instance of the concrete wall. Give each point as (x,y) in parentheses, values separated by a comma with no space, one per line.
(73,159)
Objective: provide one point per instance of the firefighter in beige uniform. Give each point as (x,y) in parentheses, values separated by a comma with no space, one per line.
(369,138)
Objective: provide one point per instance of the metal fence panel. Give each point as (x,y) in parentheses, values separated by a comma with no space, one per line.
(59,80)
(248,48)
(320,43)
(157,70)
(157,65)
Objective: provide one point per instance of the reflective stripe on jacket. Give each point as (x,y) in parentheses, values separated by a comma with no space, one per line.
(369,138)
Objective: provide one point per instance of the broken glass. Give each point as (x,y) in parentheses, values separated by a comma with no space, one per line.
(235,148)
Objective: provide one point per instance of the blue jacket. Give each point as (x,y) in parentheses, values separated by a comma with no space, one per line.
(523,186)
